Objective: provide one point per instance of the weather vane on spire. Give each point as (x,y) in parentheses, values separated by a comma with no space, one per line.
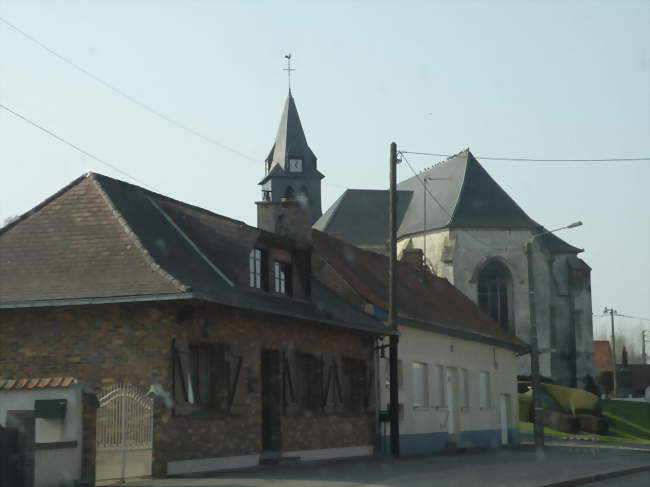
(288,69)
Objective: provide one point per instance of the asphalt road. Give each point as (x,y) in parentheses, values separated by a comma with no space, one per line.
(520,467)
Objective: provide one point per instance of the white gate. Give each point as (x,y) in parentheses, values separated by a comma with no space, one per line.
(124,433)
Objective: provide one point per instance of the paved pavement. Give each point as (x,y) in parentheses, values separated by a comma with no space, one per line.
(635,480)
(520,467)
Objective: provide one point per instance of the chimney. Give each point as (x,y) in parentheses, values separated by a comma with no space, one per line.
(287,217)
(414,258)
(625,357)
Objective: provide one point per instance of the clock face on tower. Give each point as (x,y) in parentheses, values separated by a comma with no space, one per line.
(295,165)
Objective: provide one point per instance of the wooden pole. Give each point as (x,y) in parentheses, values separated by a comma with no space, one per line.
(392,306)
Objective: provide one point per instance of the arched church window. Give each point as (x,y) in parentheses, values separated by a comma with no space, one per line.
(494,284)
(289,193)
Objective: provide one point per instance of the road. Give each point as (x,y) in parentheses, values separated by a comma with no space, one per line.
(520,467)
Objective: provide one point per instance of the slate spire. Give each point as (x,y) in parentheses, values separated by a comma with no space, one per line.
(291,172)
(290,141)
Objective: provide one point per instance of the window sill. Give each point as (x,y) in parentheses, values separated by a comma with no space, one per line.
(424,408)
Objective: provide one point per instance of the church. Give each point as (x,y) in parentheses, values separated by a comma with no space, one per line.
(468,230)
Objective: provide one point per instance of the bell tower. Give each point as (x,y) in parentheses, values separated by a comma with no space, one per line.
(291,176)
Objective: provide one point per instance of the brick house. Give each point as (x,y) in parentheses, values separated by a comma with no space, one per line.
(225,323)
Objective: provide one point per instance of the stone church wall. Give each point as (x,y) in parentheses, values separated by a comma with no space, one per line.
(563,305)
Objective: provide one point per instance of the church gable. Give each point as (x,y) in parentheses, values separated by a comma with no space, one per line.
(483,203)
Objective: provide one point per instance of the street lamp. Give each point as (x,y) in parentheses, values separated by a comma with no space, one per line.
(538,425)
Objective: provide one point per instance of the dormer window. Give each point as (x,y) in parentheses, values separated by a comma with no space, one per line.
(282,277)
(257,268)
(295,165)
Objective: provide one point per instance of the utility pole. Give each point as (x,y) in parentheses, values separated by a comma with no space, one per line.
(392,305)
(536,379)
(644,355)
(612,312)
(538,411)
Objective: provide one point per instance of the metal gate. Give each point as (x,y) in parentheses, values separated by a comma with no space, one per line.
(124,433)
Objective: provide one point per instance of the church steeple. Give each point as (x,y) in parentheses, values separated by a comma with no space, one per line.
(290,141)
(291,172)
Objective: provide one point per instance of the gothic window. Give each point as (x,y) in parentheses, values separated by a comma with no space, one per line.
(289,193)
(494,293)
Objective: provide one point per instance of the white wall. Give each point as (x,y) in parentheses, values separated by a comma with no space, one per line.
(52,467)
(435,349)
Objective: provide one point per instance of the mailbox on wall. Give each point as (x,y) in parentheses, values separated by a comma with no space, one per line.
(50,408)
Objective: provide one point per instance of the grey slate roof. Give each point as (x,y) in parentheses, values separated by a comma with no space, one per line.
(466,196)
(350,214)
(290,141)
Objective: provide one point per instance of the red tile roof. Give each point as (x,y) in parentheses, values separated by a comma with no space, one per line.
(422,296)
(603,356)
(74,245)
(37,383)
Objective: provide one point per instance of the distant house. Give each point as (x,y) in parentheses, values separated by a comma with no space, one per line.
(474,234)
(603,366)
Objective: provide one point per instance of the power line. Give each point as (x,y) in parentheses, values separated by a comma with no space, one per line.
(634,317)
(70,144)
(125,95)
(528,159)
(137,102)
(622,316)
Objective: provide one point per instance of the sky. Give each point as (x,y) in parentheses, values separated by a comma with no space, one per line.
(550,80)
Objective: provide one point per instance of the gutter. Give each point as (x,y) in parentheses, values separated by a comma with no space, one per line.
(469,335)
(85,301)
(50,303)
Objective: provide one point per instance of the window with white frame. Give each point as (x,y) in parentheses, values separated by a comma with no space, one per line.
(420,385)
(257,268)
(484,390)
(282,272)
(439,386)
(463,388)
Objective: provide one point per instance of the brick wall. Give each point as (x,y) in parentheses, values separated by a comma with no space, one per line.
(132,343)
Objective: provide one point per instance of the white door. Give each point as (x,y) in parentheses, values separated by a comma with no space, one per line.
(452,401)
(504,416)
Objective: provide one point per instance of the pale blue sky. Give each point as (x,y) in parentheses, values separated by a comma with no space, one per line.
(537,79)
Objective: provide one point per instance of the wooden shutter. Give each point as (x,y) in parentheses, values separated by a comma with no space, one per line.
(183,373)
(369,404)
(332,398)
(237,389)
(292,378)
(338,381)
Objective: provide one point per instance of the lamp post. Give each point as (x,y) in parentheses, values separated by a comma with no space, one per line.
(538,424)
